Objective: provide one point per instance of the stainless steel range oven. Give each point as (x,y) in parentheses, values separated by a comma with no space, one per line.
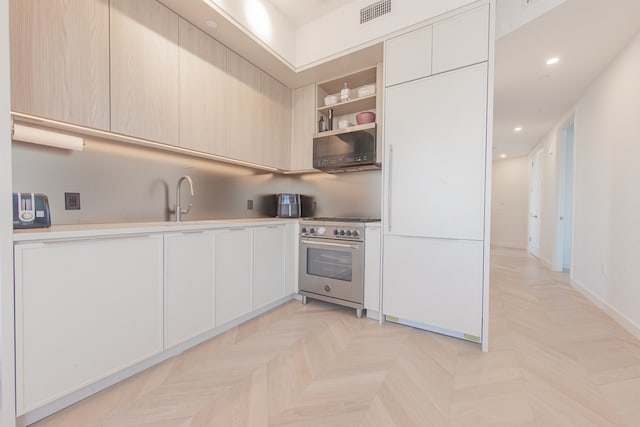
(332,261)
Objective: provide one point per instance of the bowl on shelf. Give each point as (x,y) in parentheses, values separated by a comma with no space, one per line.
(330,100)
(342,124)
(365,117)
(366,90)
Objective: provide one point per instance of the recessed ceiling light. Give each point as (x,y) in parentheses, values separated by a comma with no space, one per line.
(517,129)
(553,60)
(503,156)
(211,23)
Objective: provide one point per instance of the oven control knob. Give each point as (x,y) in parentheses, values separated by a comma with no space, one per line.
(327,288)
(304,230)
(312,230)
(342,232)
(336,232)
(348,232)
(355,233)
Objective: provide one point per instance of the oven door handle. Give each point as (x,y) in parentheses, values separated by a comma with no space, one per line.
(339,245)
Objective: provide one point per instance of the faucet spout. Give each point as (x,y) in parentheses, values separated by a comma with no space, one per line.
(179,211)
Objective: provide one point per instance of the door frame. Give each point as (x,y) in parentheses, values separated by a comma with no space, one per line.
(535,184)
(564,194)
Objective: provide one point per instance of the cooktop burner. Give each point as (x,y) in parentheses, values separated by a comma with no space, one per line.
(343,219)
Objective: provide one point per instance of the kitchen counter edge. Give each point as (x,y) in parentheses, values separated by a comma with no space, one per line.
(87,231)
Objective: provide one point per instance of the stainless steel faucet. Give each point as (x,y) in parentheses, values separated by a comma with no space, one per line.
(179,211)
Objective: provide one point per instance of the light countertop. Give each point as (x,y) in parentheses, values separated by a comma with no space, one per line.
(79,231)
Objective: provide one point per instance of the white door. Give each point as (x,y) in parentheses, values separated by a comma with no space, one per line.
(189,285)
(84,310)
(268,265)
(233,274)
(535,203)
(435,133)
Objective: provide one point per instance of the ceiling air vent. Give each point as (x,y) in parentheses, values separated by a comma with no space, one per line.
(375,10)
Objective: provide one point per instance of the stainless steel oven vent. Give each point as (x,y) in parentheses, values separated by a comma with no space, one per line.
(375,10)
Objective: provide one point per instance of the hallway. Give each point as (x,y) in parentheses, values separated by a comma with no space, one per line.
(554,360)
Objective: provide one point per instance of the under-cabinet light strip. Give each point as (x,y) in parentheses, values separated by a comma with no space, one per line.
(133,140)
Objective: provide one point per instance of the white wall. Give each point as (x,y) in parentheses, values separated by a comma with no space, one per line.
(509,203)
(606,242)
(7,392)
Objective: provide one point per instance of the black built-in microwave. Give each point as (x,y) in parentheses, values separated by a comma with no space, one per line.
(342,151)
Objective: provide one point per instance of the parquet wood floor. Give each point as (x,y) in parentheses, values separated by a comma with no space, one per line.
(554,360)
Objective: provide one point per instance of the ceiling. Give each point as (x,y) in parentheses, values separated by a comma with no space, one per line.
(586,35)
(301,12)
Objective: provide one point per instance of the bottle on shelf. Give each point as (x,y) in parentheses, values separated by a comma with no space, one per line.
(330,119)
(345,93)
(321,125)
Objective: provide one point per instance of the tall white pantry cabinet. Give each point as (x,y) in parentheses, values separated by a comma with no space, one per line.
(437,172)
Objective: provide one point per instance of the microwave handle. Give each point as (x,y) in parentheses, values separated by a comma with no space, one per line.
(389,188)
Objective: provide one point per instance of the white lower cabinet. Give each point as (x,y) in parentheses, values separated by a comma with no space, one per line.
(85,309)
(268,265)
(189,285)
(435,282)
(233,274)
(372,248)
(90,308)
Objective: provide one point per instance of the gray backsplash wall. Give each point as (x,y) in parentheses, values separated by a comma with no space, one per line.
(127,183)
(344,194)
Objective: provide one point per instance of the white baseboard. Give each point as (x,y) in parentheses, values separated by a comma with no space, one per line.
(632,327)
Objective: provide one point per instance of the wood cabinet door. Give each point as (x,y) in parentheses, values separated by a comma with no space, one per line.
(144,70)
(189,285)
(276,123)
(84,310)
(435,133)
(60,60)
(408,57)
(233,274)
(268,265)
(244,103)
(304,127)
(203,102)
(461,40)
(435,282)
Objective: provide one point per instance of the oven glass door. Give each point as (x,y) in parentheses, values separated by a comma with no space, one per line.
(332,268)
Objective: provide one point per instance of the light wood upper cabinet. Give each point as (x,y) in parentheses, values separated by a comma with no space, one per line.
(304,127)
(408,57)
(244,102)
(461,40)
(144,70)
(202,91)
(60,60)
(275,144)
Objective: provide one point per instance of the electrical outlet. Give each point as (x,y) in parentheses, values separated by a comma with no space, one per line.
(72,201)
(250,204)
